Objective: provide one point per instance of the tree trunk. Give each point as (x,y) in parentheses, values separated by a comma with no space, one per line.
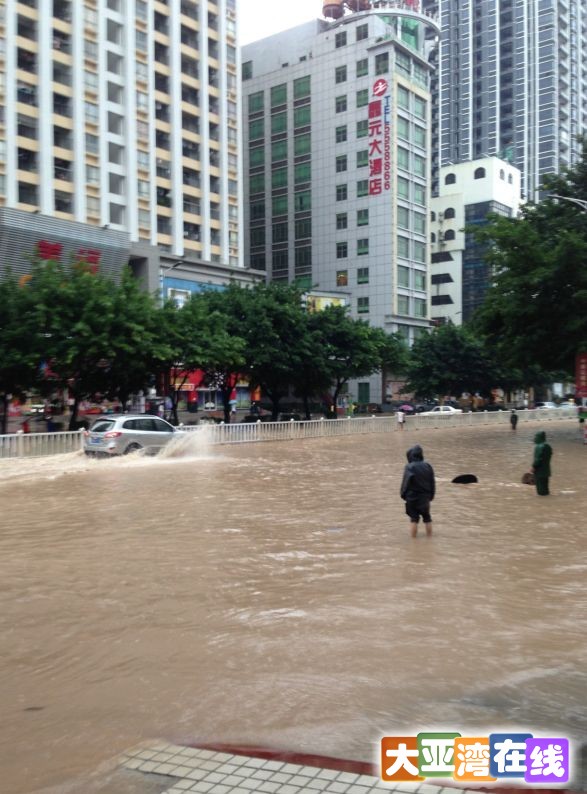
(226,404)
(174,394)
(275,399)
(307,406)
(74,410)
(5,414)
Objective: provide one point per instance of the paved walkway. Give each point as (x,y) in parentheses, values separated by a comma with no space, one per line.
(214,771)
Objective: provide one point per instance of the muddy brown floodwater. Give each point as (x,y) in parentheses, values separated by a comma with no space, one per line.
(270,594)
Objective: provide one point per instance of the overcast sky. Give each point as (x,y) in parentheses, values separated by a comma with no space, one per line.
(260,18)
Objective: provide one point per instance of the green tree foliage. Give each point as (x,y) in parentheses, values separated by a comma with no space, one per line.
(536,311)
(18,358)
(450,360)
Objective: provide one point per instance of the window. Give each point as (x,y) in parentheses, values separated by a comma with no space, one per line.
(403,97)
(342,278)
(419,280)
(27,194)
(279,177)
(362,305)
(362,158)
(362,217)
(382,63)
(278,151)
(420,307)
(419,222)
(362,188)
(362,247)
(302,116)
(303,201)
(419,194)
(362,275)
(256,102)
(402,62)
(403,158)
(419,107)
(449,213)
(419,251)
(342,250)
(63,201)
(362,98)
(280,233)
(340,39)
(449,234)
(341,192)
(280,260)
(403,217)
(302,172)
(502,174)
(403,187)
(341,220)
(419,136)
(93,177)
(256,156)
(341,134)
(403,276)
(362,128)
(362,67)
(301,87)
(257,236)
(403,128)
(362,32)
(303,259)
(256,129)
(341,163)
(257,183)
(340,104)
(340,74)
(403,304)
(419,165)
(278,95)
(279,205)
(278,123)
(450,179)
(403,247)
(257,210)
(479,173)
(303,229)
(364,391)
(247,70)
(302,144)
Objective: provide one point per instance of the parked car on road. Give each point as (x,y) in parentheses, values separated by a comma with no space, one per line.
(442,410)
(546,404)
(125,433)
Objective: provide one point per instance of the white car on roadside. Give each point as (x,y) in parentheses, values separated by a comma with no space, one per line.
(442,410)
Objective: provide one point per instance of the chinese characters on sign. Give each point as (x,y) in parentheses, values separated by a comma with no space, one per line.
(581,376)
(379,110)
(475,758)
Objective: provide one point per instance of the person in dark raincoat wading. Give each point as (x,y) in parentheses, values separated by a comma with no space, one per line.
(541,463)
(418,489)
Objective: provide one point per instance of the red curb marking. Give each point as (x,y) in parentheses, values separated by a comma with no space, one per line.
(357,767)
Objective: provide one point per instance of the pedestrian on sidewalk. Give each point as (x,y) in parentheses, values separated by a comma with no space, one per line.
(418,489)
(401,418)
(514,419)
(541,463)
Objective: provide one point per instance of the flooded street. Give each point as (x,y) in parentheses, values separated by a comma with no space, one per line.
(270,594)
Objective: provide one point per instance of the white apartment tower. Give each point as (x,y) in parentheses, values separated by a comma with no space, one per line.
(336,118)
(119,129)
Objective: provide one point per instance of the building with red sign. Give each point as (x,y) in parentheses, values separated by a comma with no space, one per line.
(337,143)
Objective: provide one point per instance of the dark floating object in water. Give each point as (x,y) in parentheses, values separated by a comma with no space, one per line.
(34,708)
(465,479)
(528,478)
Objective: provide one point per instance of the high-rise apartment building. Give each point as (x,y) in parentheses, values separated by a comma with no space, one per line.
(511,81)
(119,130)
(336,118)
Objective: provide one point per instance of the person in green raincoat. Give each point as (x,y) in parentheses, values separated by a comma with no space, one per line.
(541,463)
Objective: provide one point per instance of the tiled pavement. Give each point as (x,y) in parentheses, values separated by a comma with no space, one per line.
(208,771)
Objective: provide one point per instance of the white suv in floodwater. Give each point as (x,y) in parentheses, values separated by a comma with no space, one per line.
(125,433)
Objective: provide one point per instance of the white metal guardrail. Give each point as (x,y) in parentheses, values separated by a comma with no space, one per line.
(32,445)
(36,445)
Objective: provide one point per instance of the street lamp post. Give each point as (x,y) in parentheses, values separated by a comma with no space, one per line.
(164,273)
(580,202)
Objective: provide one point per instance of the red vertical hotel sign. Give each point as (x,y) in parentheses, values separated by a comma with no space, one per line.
(380,139)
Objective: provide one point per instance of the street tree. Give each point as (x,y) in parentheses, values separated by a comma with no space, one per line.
(449,360)
(536,310)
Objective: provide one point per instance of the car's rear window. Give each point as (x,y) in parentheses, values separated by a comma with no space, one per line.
(102,426)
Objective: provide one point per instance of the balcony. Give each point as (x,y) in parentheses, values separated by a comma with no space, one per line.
(27,61)
(62,169)
(27,94)
(27,160)
(62,105)
(62,41)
